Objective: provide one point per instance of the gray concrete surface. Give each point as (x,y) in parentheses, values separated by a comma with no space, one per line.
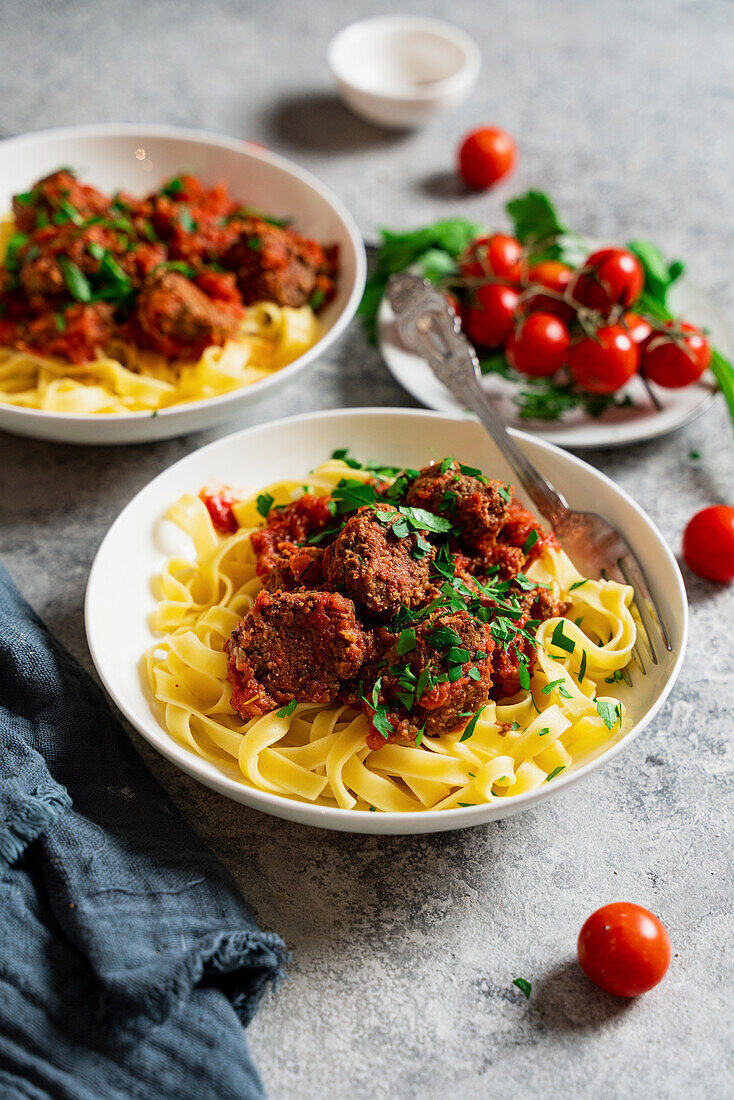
(404,949)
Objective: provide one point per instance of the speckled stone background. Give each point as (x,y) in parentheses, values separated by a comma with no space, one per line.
(404,949)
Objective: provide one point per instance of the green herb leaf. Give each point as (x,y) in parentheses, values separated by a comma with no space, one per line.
(535,219)
(472,724)
(264,503)
(317,299)
(578,584)
(340,453)
(76,281)
(559,639)
(406,642)
(185,220)
(523,985)
(419,736)
(555,772)
(582,667)
(659,275)
(287,710)
(530,542)
(610,713)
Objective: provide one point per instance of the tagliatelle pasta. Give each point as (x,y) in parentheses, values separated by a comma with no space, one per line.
(136,380)
(319,754)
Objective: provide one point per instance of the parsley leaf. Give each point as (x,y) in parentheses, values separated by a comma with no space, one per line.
(523,985)
(472,724)
(287,710)
(264,503)
(555,772)
(559,639)
(530,542)
(406,642)
(76,281)
(610,713)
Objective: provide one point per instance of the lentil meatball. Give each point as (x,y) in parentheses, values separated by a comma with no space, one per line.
(378,570)
(477,506)
(293,645)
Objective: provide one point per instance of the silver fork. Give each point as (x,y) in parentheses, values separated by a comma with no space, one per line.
(429,327)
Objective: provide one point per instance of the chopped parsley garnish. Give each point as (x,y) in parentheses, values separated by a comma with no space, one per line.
(76,281)
(173,187)
(473,471)
(610,713)
(419,736)
(557,684)
(523,985)
(406,642)
(505,493)
(542,733)
(559,639)
(694,455)
(555,772)
(317,299)
(254,243)
(186,221)
(582,666)
(578,584)
(60,322)
(523,672)
(340,453)
(472,725)
(264,503)
(530,542)
(287,710)
(446,464)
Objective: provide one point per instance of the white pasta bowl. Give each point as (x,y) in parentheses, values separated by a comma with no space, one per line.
(138,158)
(120,599)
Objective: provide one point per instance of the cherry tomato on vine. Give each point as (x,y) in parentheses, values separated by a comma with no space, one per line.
(490,321)
(485,156)
(609,277)
(604,362)
(555,276)
(708,543)
(638,328)
(677,360)
(498,255)
(624,949)
(540,346)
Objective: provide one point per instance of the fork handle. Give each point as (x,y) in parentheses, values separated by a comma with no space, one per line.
(454,360)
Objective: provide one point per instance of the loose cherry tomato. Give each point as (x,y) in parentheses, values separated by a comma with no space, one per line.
(624,949)
(490,321)
(609,276)
(555,276)
(604,362)
(498,255)
(485,156)
(540,346)
(677,360)
(708,543)
(638,328)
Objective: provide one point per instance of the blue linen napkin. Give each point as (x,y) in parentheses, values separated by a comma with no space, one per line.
(128,959)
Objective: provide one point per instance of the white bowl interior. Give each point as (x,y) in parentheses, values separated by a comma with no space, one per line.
(137,159)
(398,55)
(119,596)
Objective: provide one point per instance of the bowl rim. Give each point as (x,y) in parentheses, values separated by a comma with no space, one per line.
(444,86)
(350,820)
(236,145)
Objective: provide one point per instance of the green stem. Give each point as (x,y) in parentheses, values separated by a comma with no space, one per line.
(724,373)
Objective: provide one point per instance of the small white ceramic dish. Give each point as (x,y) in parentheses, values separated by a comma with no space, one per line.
(577,429)
(119,596)
(399,71)
(137,158)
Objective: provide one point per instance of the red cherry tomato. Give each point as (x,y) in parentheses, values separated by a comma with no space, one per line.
(624,949)
(708,543)
(638,328)
(603,363)
(498,255)
(490,321)
(609,276)
(485,156)
(555,276)
(677,360)
(540,346)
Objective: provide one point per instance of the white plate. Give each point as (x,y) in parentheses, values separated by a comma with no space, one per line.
(137,159)
(119,597)
(576,429)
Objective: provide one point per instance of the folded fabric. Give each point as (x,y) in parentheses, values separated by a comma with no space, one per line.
(128,959)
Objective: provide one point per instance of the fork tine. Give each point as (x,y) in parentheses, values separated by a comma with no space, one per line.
(647,607)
